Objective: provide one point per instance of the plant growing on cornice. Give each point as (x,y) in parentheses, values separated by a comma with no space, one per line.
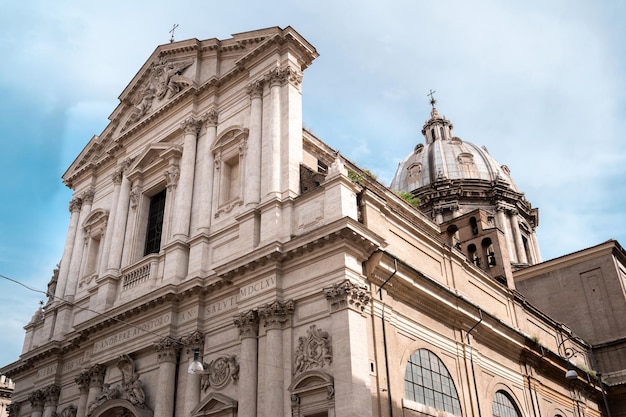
(359,177)
(409,198)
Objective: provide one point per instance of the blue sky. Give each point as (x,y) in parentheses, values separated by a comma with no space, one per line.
(541,84)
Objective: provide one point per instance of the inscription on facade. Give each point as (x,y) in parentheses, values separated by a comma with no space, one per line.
(256,287)
(48,370)
(221,306)
(73,364)
(187,315)
(132,333)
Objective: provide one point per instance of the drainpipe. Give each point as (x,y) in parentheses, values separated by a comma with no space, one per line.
(480,312)
(380,296)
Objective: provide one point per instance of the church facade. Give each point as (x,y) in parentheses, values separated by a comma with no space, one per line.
(223,261)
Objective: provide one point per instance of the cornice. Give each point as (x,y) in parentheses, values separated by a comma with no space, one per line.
(608,248)
(345,230)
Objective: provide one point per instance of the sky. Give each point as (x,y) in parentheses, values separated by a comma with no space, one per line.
(541,84)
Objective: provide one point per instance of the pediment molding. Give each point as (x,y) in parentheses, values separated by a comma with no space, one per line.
(122,408)
(215,404)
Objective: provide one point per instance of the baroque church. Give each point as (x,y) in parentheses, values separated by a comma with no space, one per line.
(221,260)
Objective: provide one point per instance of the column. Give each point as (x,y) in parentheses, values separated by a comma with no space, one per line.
(51,393)
(78,250)
(252,180)
(536,251)
(291,145)
(517,238)
(205,173)
(248,324)
(192,389)
(167,350)
(275,316)
(37,400)
(350,349)
(503,223)
(82,380)
(184,191)
(108,235)
(64,268)
(96,379)
(119,228)
(271,151)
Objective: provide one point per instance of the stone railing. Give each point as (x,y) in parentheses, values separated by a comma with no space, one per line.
(140,273)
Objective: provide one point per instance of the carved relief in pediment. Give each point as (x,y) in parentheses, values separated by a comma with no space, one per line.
(165,79)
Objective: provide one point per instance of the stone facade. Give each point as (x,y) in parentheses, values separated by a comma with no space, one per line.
(207,224)
(6,391)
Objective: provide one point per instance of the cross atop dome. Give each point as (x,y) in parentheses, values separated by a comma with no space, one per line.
(433,100)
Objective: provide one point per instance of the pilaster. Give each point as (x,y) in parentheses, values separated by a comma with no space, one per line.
(275,317)
(74,208)
(192,388)
(37,401)
(52,393)
(248,325)
(167,351)
(82,380)
(347,302)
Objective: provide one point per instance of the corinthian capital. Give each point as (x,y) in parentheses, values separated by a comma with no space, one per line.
(346,294)
(248,324)
(194,341)
(87,196)
(255,88)
(191,125)
(96,375)
(276,314)
(82,380)
(37,399)
(52,393)
(75,205)
(281,76)
(167,349)
(210,117)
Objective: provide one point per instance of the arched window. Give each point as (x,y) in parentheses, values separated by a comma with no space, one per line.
(503,405)
(427,381)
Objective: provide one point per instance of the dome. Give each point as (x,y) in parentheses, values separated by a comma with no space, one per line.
(444,156)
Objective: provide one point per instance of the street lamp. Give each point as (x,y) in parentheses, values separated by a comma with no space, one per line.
(568,353)
(196,367)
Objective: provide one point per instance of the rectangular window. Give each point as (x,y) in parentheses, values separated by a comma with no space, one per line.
(155,223)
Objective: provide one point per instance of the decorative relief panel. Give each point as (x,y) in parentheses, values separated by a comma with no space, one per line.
(220,372)
(69,411)
(165,79)
(129,389)
(314,350)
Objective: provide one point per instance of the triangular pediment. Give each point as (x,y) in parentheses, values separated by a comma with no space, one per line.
(177,72)
(153,154)
(215,404)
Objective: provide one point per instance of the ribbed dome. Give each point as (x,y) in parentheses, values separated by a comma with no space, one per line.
(447,157)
